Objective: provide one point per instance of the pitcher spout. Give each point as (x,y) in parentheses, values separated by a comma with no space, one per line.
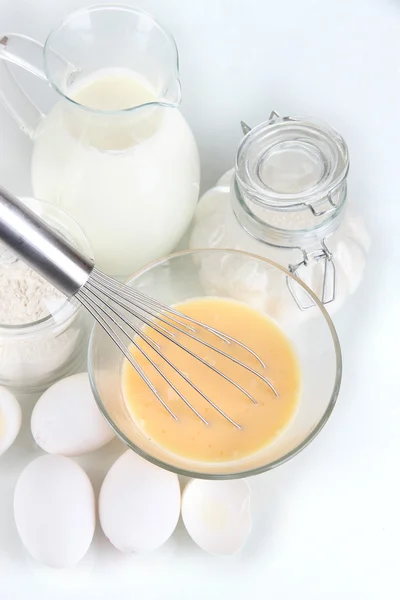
(172,96)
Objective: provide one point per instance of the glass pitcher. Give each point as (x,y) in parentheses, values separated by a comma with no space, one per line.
(113,151)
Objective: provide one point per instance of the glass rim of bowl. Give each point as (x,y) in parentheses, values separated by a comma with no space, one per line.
(70,307)
(252,471)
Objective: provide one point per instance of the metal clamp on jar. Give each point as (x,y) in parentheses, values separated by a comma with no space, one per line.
(288,191)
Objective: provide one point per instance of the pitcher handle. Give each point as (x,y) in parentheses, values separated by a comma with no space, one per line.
(27,53)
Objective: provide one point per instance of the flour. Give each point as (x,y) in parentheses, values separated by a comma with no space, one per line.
(36,351)
(25,297)
(216,226)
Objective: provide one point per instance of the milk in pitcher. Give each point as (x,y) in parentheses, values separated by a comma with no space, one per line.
(122,164)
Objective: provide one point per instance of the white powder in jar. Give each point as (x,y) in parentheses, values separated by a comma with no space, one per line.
(25,297)
(215,226)
(35,350)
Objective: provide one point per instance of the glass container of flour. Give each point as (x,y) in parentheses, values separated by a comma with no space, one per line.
(43,335)
(113,150)
(286,200)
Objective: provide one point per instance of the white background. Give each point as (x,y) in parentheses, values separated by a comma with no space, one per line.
(327,524)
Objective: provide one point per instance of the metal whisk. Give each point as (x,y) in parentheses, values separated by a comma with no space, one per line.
(120,310)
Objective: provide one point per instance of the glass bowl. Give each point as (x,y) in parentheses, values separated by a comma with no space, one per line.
(35,355)
(191,274)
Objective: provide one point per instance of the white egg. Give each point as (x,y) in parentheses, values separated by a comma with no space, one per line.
(66,419)
(217,514)
(10,419)
(54,510)
(139,504)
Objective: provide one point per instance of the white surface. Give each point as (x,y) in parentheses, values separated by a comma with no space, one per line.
(326,524)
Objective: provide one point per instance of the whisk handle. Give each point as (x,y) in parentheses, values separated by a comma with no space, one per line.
(41,247)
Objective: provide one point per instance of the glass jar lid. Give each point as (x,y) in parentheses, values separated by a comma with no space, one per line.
(292,163)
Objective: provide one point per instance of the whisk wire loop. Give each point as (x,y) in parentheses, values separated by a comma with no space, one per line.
(92,304)
(104,297)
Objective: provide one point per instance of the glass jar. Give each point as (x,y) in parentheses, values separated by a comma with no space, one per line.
(36,354)
(286,199)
